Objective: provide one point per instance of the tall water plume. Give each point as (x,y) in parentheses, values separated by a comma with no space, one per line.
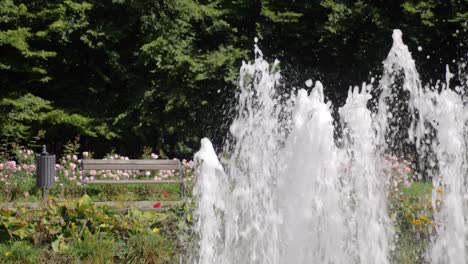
(290,194)
(313,220)
(434,120)
(210,191)
(250,219)
(446,114)
(370,227)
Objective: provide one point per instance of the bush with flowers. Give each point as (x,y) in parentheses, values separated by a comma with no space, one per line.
(18,178)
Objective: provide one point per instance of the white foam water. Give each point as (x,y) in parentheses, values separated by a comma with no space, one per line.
(290,192)
(210,192)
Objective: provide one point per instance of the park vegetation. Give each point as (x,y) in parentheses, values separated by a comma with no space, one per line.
(121,79)
(125,74)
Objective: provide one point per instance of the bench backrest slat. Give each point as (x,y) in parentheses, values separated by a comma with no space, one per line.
(90,164)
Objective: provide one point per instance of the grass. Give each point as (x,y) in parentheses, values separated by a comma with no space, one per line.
(135,192)
(418,189)
(148,248)
(19,252)
(113,192)
(139,248)
(92,249)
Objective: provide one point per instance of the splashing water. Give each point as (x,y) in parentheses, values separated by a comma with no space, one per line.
(439,130)
(209,189)
(370,226)
(313,228)
(290,192)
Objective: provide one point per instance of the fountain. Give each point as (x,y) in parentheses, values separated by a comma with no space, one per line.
(288,191)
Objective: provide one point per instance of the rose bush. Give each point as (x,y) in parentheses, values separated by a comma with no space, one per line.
(18,177)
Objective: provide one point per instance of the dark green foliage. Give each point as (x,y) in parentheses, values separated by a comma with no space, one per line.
(339,42)
(127,73)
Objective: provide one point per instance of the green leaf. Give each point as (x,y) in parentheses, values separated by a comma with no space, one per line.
(24,232)
(85,202)
(59,245)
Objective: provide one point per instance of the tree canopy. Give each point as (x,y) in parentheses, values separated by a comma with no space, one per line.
(161,73)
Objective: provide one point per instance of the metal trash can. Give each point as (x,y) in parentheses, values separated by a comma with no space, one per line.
(45,170)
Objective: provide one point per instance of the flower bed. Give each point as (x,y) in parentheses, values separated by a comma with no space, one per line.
(70,229)
(78,231)
(17,179)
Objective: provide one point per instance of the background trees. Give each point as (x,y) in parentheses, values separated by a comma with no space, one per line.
(129,73)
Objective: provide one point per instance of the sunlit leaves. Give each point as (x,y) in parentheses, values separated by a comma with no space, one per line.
(24,114)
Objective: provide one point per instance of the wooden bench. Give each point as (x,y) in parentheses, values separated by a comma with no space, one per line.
(140,165)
